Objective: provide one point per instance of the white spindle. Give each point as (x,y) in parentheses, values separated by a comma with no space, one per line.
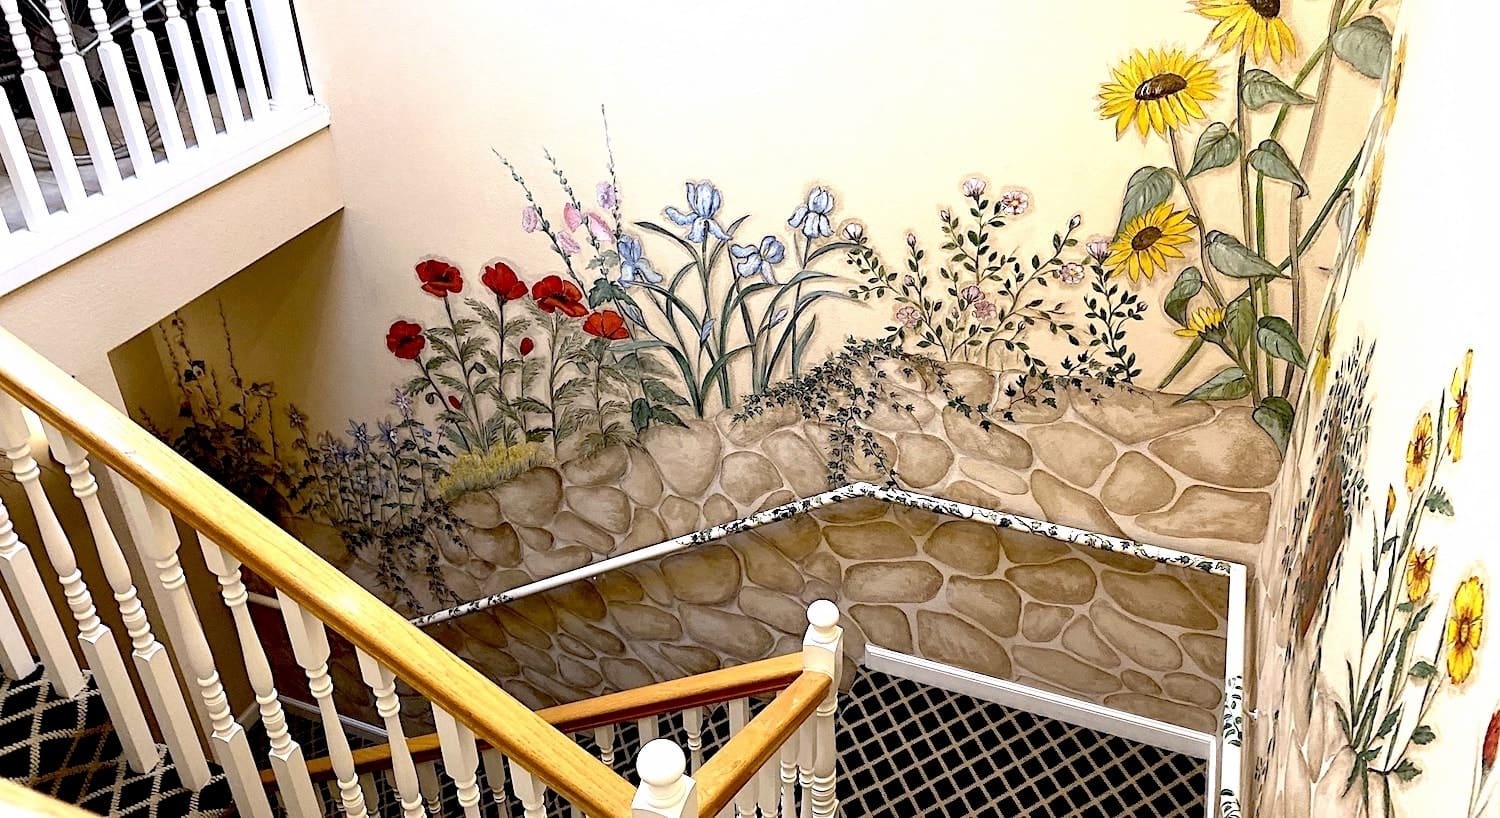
(494,775)
(431,786)
(372,792)
(605,737)
(37,614)
(44,109)
(382,683)
(99,647)
(214,47)
(282,54)
(299,799)
(185,57)
(807,747)
(460,759)
(788,756)
(767,786)
(152,664)
(739,716)
(665,791)
(248,55)
(231,749)
(530,791)
(15,657)
(822,652)
(19,168)
(121,92)
(692,723)
(648,729)
(310,648)
(85,103)
(158,92)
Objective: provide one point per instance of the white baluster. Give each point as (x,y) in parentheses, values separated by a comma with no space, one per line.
(494,774)
(692,723)
(99,647)
(247,53)
(460,759)
(648,729)
(739,716)
(158,92)
(15,657)
(310,647)
(282,54)
(823,652)
(85,104)
(767,787)
(605,737)
(185,57)
(217,52)
(382,683)
(372,792)
(231,749)
(44,108)
(431,786)
(665,791)
(789,776)
(152,664)
(37,614)
(121,92)
(287,762)
(530,791)
(18,167)
(807,748)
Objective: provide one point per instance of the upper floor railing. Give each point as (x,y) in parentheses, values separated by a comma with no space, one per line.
(112,111)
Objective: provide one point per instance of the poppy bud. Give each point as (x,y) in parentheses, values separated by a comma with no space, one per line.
(527,345)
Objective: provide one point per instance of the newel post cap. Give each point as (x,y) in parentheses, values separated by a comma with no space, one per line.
(665,791)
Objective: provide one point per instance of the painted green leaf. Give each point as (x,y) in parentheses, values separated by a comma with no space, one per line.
(1230,257)
(1230,384)
(1189,283)
(1239,321)
(1406,770)
(1187,356)
(1147,188)
(1217,147)
(1263,88)
(1438,502)
(1366,45)
(1423,670)
(604,291)
(1422,734)
(1274,415)
(1271,159)
(1277,338)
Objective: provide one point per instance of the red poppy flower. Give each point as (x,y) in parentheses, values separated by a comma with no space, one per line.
(503,282)
(405,340)
(606,324)
(439,278)
(553,294)
(1491,741)
(527,345)
(454,401)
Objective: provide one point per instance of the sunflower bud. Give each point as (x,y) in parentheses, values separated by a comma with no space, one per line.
(1390,503)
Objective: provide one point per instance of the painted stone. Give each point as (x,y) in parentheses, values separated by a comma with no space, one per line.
(796,537)
(1152,707)
(817,589)
(1231,451)
(535,539)
(780,497)
(870,541)
(479,569)
(918,521)
(765,566)
(884,625)
(1061,669)
(752,430)
(908,581)
(1132,415)
(735,635)
(604,467)
(993,603)
(687,457)
(690,659)
(993,476)
(1043,407)
(1066,505)
(526,694)
(627,674)
(580,598)
(643,481)
(1191,689)
(1065,582)
(1159,598)
(1205,511)
(645,529)
(853,510)
(498,545)
(550,563)
(538,659)
(824,567)
(1123,562)
(571,529)
(1145,645)
(965,545)
(479,509)
(1072,451)
(459,582)
(484,627)
(963,491)
(604,506)
(1213,589)
(774,609)
(575,646)
(1207,652)
(597,638)
(1081,638)
(799,462)
(681,516)
(1140,682)
(492,662)
(946,638)
(1023,547)
(718,509)
(914,412)
(533,609)
(551,684)
(975,383)
(922,460)
(868,469)
(1137,485)
(747,475)
(532,497)
(645,622)
(653,583)
(578,674)
(1041,622)
(706,575)
(998,444)
(452,637)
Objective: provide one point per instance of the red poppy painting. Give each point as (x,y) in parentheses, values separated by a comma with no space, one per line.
(405,340)
(502,280)
(439,278)
(606,324)
(527,345)
(553,294)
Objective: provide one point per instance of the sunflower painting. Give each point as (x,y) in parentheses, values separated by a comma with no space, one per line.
(1158,90)
(1252,26)
(1151,239)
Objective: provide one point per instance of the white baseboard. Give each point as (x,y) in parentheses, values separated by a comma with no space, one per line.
(1042,702)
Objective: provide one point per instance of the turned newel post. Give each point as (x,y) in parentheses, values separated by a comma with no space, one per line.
(666,790)
(823,652)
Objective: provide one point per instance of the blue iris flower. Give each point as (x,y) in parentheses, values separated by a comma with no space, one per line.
(706,330)
(703,203)
(633,265)
(812,218)
(750,260)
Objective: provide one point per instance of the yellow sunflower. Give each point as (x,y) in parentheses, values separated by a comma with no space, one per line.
(1419,452)
(1390,503)
(1158,90)
(1205,322)
(1370,201)
(1324,352)
(1252,26)
(1459,391)
(1465,627)
(1148,240)
(1419,565)
(1393,79)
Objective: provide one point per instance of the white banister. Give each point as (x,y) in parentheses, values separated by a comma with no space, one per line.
(692,724)
(807,745)
(431,786)
(460,759)
(247,53)
(189,78)
(494,775)
(15,657)
(152,664)
(121,92)
(85,103)
(648,729)
(158,92)
(604,736)
(739,716)
(281,53)
(666,790)
(231,748)
(99,647)
(44,108)
(788,758)
(530,791)
(382,684)
(37,614)
(19,168)
(309,640)
(823,652)
(214,47)
(294,785)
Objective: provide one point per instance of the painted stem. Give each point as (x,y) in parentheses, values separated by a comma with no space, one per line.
(1197,213)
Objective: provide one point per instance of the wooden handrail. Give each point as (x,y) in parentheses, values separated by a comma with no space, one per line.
(213,511)
(732,767)
(18,802)
(716,686)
